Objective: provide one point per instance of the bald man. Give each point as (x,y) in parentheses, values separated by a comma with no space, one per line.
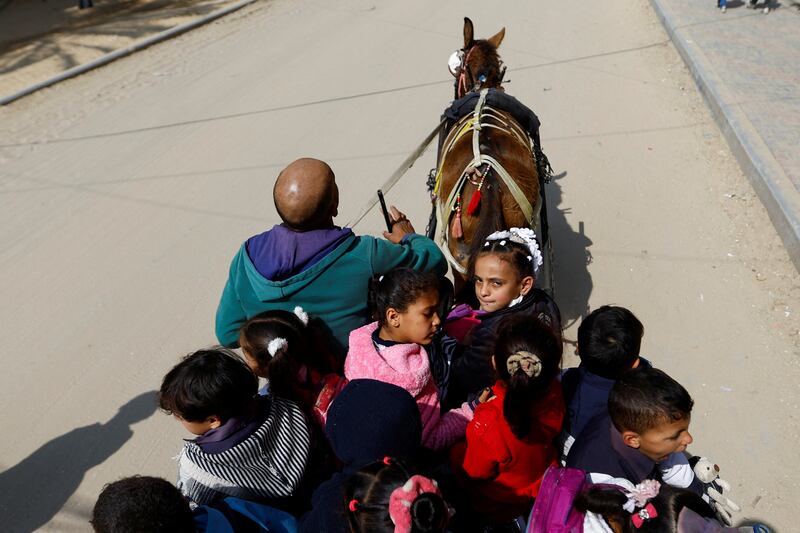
(310,262)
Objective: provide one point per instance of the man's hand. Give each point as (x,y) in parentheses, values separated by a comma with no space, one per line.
(400,226)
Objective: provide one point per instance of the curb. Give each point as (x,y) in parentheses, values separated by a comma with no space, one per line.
(773,187)
(122,52)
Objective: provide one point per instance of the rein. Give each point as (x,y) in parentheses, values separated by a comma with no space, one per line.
(462,76)
(398,173)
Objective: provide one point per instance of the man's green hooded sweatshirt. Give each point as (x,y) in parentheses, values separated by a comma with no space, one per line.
(334,289)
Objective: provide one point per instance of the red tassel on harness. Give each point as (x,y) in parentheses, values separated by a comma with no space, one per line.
(474,203)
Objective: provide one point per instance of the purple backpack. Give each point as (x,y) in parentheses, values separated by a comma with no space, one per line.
(552,511)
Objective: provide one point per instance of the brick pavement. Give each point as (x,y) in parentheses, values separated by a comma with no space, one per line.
(747,65)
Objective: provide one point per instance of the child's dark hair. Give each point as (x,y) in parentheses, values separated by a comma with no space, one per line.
(366,500)
(212,382)
(299,349)
(142,503)
(608,501)
(609,340)
(514,253)
(533,344)
(398,289)
(644,398)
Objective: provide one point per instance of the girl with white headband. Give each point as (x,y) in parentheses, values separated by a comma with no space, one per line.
(503,272)
(510,439)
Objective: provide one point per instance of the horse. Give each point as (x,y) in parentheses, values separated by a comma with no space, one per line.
(488,171)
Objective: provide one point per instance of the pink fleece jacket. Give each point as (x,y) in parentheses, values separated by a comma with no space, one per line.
(407,366)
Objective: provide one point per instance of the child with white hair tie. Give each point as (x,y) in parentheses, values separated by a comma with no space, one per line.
(503,272)
(287,350)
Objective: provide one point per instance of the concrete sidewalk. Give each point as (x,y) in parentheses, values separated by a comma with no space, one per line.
(747,65)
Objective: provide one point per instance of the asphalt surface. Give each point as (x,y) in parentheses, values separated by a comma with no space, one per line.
(126,192)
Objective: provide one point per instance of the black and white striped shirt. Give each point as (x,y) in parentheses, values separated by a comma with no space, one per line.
(268,464)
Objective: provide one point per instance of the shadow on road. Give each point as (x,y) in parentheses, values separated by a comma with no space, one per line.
(34,490)
(571,257)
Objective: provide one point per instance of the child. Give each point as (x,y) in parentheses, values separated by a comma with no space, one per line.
(510,440)
(503,271)
(368,421)
(248,446)
(649,507)
(608,345)
(642,435)
(281,347)
(384,497)
(154,505)
(391,350)
(142,503)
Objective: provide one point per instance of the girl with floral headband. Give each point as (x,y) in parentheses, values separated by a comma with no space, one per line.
(503,272)
(509,441)
(649,507)
(385,497)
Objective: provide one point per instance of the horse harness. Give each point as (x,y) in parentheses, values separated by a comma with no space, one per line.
(463,70)
(478,169)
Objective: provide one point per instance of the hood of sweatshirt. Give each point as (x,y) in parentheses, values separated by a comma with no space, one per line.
(370,420)
(270,290)
(404,365)
(280,253)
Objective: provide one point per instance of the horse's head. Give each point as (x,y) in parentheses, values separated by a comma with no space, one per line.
(477,65)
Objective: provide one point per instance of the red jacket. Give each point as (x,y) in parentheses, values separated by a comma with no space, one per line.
(502,472)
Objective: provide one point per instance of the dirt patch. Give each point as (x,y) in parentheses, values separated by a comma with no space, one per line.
(40,38)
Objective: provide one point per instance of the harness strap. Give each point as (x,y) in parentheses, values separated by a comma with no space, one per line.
(475,124)
(476,128)
(513,188)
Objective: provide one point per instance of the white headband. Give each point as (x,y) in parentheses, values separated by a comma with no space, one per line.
(523,236)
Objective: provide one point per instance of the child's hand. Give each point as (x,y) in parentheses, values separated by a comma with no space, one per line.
(400,226)
(485,395)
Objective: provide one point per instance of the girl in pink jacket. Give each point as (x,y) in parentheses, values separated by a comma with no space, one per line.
(405,303)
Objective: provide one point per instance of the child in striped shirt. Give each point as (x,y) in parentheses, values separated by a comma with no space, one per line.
(248,446)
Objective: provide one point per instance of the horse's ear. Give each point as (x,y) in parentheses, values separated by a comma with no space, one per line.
(469,33)
(497,38)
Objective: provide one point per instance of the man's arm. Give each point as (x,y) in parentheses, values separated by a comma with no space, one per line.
(404,248)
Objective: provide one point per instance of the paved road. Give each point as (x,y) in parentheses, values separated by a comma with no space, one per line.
(125,193)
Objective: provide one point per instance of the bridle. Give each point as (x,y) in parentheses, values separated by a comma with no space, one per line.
(462,71)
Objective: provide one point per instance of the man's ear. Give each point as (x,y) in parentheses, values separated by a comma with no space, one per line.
(335,206)
(631,439)
(494,364)
(527,285)
(214,421)
(392,317)
(497,38)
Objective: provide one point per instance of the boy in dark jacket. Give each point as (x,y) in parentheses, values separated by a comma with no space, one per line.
(609,340)
(642,435)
